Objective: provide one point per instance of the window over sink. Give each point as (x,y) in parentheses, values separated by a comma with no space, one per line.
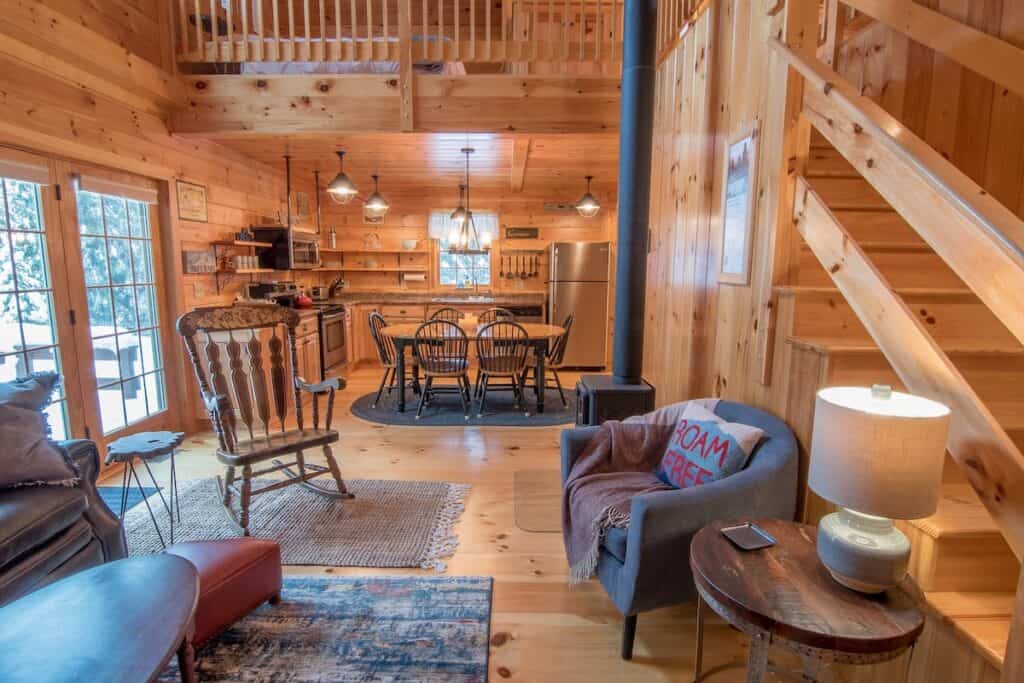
(466,270)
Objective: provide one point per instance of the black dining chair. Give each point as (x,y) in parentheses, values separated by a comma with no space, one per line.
(452,315)
(493,314)
(552,361)
(388,355)
(443,352)
(501,350)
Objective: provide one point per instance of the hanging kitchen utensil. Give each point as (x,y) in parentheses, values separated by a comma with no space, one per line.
(522,273)
(509,275)
(501,267)
(533,273)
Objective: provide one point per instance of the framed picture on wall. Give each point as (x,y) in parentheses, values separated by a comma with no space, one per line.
(191,202)
(739,200)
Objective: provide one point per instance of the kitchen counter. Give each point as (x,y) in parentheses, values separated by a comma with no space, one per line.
(497,298)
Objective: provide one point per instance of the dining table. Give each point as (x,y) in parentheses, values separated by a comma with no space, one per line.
(538,334)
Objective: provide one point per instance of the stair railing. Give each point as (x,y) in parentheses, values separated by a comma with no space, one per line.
(519,31)
(976,236)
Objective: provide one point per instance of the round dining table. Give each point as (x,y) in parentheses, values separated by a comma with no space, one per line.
(539,335)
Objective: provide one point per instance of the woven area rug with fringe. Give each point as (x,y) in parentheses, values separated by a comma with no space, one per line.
(387,524)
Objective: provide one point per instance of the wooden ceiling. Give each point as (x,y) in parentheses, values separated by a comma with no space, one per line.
(417,164)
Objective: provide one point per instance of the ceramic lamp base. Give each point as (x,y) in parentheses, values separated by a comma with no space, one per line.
(863,552)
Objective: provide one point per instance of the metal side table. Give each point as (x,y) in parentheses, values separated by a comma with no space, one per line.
(148,447)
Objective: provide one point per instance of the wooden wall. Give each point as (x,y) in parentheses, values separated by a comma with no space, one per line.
(702,337)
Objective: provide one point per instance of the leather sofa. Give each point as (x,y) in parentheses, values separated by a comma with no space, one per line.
(49,532)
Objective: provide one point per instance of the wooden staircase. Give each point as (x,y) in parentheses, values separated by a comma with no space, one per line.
(960,558)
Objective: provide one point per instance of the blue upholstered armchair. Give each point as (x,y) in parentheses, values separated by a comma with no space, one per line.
(647,565)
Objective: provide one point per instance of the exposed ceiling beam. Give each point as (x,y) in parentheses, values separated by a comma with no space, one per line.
(520,153)
(219,106)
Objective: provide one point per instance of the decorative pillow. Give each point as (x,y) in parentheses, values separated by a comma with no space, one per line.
(27,455)
(705,448)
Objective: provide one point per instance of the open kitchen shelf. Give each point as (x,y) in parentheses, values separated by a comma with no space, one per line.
(241,243)
(222,276)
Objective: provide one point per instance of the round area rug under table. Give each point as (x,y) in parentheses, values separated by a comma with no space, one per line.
(784,596)
(444,410)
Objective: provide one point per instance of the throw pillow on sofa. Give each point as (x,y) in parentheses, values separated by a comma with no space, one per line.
(27,455)
(705,448)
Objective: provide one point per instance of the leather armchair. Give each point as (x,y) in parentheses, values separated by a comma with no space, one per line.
(647,564)
(49,532)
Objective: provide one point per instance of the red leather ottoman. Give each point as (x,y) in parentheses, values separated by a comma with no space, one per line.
(236,576)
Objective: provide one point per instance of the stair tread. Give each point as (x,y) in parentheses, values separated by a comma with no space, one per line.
(980,347)
(960,513)
(983,619)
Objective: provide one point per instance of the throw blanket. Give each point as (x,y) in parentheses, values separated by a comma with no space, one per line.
(617,464)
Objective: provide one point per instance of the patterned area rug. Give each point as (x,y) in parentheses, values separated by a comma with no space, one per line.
(387,524)
(445,410)
(348,630)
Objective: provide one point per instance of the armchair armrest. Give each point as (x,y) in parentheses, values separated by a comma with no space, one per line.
(106,526)
(573,442)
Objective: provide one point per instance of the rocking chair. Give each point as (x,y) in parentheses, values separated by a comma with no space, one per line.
(235,386)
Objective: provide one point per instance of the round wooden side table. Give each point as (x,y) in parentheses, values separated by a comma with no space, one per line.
(784,596)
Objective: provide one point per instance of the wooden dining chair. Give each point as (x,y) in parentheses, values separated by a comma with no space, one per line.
(443,351)
(501,350)
(452,315)
(388,355)
(248,379)
(493,314)
(553,361)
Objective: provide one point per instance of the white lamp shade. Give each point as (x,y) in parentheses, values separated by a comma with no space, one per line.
(877,455)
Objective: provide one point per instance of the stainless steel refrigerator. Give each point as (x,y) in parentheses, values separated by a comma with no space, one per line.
(578,284)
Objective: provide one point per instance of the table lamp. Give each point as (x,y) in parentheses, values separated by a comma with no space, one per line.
(878,454)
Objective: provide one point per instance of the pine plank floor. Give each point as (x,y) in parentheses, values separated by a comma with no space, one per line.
(542,629)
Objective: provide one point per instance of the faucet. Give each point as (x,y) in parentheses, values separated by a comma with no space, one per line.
(335,286)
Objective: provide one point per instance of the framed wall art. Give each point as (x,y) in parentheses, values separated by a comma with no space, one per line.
(739,203)
(191,202)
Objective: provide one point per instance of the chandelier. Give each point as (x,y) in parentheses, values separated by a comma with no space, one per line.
(463,237)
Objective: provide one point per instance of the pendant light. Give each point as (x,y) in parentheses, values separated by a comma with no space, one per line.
(588,206)
(341,189)
(464,238)
(459,215)
(375,205)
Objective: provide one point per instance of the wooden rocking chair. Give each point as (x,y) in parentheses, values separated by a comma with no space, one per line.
(236,387)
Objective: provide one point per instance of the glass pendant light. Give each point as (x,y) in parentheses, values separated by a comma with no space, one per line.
(375,205)
(341,189)
(588,206)
(459,215)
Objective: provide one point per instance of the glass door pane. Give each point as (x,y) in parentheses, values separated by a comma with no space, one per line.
(120,289)
(28,333)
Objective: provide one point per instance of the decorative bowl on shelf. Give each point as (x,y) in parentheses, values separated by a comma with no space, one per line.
(409,245)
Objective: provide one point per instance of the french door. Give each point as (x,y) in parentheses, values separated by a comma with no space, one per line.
(81,294)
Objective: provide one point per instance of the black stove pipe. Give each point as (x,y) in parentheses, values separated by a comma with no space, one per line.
(636,128)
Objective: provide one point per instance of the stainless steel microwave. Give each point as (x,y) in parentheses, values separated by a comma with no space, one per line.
(292,249)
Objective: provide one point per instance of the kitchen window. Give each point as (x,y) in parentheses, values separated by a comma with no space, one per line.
(462,270)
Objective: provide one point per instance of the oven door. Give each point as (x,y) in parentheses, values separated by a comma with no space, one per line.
(305,251)
(332,339)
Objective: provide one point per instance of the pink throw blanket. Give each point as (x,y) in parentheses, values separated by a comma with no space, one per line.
(617,464)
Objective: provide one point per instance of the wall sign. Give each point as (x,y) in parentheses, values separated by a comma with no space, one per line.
(739,200)
(191,202)
(522,233)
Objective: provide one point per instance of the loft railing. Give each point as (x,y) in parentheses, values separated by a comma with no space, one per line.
(674,17)
(976,236)
(531,31)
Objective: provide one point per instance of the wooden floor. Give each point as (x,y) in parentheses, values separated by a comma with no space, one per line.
(542,629)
